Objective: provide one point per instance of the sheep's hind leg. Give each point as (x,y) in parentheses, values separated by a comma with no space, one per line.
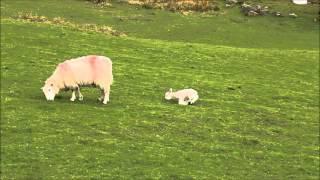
(101,96)
(106,95)
(80,95)
(73,97)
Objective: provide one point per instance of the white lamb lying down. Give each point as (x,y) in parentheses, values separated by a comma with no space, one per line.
(82,71)
(184,96)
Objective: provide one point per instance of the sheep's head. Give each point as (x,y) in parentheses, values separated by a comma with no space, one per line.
(50,90)
(169,94)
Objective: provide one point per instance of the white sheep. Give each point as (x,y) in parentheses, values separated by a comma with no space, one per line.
(184,96)
(82,71)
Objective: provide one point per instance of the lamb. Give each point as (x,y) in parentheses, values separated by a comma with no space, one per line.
(184,97)
(86,70)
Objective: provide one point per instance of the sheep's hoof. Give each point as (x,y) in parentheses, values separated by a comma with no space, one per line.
(81,98)
(100,99)
(104,102)
(72,99)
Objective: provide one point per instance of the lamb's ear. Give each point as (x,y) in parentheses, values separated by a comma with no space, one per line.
(170,89)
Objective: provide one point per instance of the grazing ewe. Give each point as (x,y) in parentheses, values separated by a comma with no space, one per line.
(185,96)
(86,70)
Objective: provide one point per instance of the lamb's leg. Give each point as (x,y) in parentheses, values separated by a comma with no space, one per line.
(182,102)
(106,95)
(80,95)
(101,96)
(73,97)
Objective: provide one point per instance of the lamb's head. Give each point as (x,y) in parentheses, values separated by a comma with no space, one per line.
(50,90)
(169,94)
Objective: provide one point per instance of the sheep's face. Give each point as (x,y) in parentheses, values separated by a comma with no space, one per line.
(50,91)
(168,95)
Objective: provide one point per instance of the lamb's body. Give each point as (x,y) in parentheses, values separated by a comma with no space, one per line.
(184,97)
(86,70)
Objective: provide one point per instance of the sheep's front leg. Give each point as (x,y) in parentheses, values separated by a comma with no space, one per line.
(106,95)
(73,97)
(182,102)
(80,95)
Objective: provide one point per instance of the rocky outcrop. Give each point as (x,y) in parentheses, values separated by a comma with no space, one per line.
(256,10)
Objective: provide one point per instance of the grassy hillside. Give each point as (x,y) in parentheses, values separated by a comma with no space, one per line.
(257,117)
(226,27)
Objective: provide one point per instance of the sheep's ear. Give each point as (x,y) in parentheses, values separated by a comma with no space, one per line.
(170,89)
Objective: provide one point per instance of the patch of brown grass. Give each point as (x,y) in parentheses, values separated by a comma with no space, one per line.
(177,5)
(61,21)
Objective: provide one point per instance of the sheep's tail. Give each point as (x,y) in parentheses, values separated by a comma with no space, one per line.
(111,69)
(111,80)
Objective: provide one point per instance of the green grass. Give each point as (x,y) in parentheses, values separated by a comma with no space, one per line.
(257,117)
(230,29)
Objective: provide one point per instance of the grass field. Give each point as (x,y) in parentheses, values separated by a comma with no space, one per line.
(258,81)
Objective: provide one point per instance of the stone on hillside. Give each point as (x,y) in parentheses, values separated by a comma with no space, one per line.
(258,7)
(256,10)
(252,13)
(245,8)
(186,13)
(300,1)
(244,5)
(293,15)
(231,2)
(278,14)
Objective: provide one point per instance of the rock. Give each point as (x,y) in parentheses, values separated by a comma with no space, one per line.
(186,13)
(256,10)
(252,13)
(231,2)
(300,1)
(278,14)
(293,15)
(265,10)
(245,8)
(244,5)
(258,7)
